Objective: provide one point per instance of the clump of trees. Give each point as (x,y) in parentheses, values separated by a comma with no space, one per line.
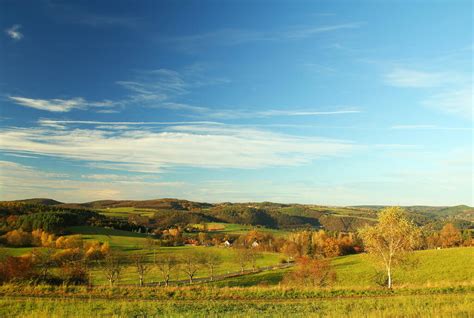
(449,236)
(319,244)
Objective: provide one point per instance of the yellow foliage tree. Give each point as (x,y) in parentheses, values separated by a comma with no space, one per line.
(391,238)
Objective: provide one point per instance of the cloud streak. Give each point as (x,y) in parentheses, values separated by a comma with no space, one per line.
(23,181)
(232,37)
(58,105)
(205,146)
(457,102)
(404,77)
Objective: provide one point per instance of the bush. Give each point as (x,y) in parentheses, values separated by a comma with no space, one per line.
(311,273)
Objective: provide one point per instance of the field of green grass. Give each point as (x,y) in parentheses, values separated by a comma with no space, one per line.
(128,242)
(126,211)
(428,268)
(238,229)
(451,305)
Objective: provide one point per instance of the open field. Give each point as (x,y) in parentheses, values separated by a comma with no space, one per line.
(433,268)
(238,229)
(125,212)
(438,305)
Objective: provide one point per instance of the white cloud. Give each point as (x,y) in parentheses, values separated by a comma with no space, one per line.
(21,181)
(14,32)
(404,77)
(52,105)
(57,104)
(208,146)
(457,102)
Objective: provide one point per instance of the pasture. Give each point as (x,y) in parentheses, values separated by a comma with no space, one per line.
(444,305)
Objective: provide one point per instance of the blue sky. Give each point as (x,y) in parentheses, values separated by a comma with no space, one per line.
(326,102)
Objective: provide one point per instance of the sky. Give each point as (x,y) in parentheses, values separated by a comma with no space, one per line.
(319,102)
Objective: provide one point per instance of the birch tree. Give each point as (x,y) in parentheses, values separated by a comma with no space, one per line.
(391,239)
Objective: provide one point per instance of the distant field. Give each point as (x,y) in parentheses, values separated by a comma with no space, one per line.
(126,211)
(238,229)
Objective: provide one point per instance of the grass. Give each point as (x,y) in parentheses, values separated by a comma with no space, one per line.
(125,212)
(238,229)
(431,268)
(459,305)
(128,242)
(14,251)
(229,265)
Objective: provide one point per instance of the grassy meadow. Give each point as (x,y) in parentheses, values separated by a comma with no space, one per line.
(446,267)
(445,305)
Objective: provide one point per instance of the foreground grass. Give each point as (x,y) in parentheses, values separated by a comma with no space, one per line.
(451,305)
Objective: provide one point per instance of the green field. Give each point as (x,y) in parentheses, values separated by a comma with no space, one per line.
(429,268)
(126,211)
(452,305)
(128,243)
(239,229)
(440,283)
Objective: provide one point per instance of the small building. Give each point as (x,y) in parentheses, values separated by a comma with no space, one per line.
(255,244)
(227,243)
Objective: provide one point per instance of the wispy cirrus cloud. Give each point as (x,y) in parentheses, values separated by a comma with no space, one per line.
(457,102)
(23,181)
(58,104)
(163,88)
(211,146)
(14,32)
(406,77)
(231,37)
(454,93)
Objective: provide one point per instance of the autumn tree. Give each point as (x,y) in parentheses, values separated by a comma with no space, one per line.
(290,249)
(44,260)
(391,238)
(166,265)
(311,272)
(450,236)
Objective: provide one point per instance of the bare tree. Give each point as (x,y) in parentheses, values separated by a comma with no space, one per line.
(152,244)
(141,266)
(166,264)
(190,264)
(391,239)
(211,261)
(242,258)
(253,256)
(112,267)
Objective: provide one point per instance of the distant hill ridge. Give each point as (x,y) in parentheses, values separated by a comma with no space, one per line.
(171,211)
(179,204)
